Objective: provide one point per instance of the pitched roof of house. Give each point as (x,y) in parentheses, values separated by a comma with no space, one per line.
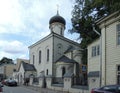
(28,67)
(66,60)
(104,19)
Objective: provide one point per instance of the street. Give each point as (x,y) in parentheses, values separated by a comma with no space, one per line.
(18,89)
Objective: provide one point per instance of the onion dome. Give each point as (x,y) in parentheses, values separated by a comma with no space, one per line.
(57,18)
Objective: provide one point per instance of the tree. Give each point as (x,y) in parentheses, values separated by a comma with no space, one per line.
(6,60)
(84,15)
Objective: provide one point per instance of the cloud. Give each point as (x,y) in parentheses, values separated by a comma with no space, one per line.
(29,20)
(12,48)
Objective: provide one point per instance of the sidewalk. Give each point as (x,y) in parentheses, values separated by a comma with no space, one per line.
(36,88)
(43,90)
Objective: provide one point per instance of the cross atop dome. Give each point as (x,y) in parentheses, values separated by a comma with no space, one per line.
(57,9)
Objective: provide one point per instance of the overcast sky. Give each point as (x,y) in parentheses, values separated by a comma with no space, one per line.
(24,22)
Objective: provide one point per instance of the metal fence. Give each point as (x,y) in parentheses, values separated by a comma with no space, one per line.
(79,81)
(57,80)
(35,80)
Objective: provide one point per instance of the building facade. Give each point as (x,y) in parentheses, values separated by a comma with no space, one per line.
(104,53)
(6,71)
(45,53)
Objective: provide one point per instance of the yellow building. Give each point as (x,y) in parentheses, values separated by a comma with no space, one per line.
(6,70)
(104,53)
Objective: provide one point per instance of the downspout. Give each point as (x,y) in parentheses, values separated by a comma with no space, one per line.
(100,73)
(105,55)
(53,57)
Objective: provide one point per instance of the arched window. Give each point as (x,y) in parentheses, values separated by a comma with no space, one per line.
(47,72)
(47,54)
(39,56)
(33,59)
(63,71)
(59,49)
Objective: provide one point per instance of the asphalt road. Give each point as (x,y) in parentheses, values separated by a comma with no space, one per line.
(18,89)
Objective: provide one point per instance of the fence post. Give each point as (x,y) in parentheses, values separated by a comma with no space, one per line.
(41,81)
(31,80)
(67,81)
(49,81)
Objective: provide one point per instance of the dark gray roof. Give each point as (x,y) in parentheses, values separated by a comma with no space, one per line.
(57,18)
(66,60)
(93,74)
(28,67)
(69,74)
(70,48)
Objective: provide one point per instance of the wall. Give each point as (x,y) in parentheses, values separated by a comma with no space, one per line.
(111,52)
(93,66)
(9,70)
(93,62)
(44,65)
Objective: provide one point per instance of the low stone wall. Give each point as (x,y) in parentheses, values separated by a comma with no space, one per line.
(66,87)
(44,90)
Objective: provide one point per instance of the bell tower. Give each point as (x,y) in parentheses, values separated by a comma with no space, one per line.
(57,24)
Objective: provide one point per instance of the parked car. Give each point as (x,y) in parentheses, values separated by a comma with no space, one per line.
(107,89)
(11,83)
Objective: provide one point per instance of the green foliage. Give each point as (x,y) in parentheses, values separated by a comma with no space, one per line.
(84,15)
(6,60)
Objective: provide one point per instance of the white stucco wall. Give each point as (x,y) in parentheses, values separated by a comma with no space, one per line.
(93,65)
(93,62)
(65,45)
(21,74)
(44,65)
(56,44)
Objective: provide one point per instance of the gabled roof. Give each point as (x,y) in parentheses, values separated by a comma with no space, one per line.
(104,19)
(28,67)
(66,60)
(54,35)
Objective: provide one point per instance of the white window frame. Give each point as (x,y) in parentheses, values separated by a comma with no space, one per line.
(95,50)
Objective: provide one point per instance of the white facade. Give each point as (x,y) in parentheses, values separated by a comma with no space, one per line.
(56,44)
(45,52)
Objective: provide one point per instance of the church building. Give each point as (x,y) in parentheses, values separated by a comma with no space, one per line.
(56,55)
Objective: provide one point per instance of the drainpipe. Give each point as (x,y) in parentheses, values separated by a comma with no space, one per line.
(100,73)
(105,55)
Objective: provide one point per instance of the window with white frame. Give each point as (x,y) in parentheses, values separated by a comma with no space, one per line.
(95,50)
(118,34)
